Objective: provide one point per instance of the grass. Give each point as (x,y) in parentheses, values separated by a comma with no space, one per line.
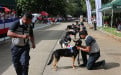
(112,31)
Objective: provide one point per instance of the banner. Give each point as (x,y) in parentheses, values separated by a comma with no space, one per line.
(4,26)
(88,11)
(98,5)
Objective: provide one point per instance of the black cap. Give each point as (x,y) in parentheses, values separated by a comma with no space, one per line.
(83,32)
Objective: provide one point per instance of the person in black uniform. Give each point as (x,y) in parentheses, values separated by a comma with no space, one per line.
(21,32)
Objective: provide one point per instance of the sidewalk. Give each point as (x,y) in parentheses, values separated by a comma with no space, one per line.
(110,51)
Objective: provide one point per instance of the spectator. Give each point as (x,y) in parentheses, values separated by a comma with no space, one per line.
(34,19)
(119,27)
(94,22)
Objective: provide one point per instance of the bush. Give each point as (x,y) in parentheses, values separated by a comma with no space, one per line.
(112,31)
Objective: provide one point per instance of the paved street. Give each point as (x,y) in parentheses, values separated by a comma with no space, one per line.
(47,41)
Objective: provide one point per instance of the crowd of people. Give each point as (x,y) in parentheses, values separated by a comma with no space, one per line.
(50,20)
(6,19)
(7,15)
(116,24)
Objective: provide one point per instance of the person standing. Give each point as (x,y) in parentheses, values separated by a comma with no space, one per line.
(21,32)
(34,19)
(92,49)
(94,23)
(119,27)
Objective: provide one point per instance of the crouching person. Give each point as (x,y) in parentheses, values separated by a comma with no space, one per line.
(92,49)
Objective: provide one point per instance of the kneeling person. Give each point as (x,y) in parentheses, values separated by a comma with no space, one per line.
(92,49)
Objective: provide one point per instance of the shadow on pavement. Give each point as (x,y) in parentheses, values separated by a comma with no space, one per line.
(111,65)
(108,66)
(65,67)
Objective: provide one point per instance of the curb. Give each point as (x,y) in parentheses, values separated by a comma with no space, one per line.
(44,25)
(4,40)
(111,35)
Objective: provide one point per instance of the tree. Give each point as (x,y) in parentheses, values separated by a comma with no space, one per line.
(106,1)
(53,7)
(23,5)
(74,8)
(57,7)
(6,3)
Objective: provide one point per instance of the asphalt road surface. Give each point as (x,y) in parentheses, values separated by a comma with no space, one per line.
(47,41)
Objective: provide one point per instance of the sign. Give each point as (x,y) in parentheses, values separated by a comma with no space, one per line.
(88,11)
(98,13)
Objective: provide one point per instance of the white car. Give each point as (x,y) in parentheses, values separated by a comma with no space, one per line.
(35,15)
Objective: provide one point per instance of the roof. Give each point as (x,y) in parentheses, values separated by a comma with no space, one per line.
(115,5)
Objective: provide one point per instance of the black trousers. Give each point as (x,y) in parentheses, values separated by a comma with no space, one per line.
(91,61)
(95,26)
(20,58)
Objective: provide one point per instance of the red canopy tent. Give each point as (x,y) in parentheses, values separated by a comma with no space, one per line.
(44,13)
(6,9)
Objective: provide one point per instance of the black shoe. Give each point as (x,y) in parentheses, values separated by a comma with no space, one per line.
(103,64)
(82,65)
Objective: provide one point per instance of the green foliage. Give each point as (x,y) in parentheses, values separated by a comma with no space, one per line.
(112,31)
(24,5)
(106,18)
(53,7)
(83,6)
(106,1)
(74,7)
(56,7)
(7,3)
